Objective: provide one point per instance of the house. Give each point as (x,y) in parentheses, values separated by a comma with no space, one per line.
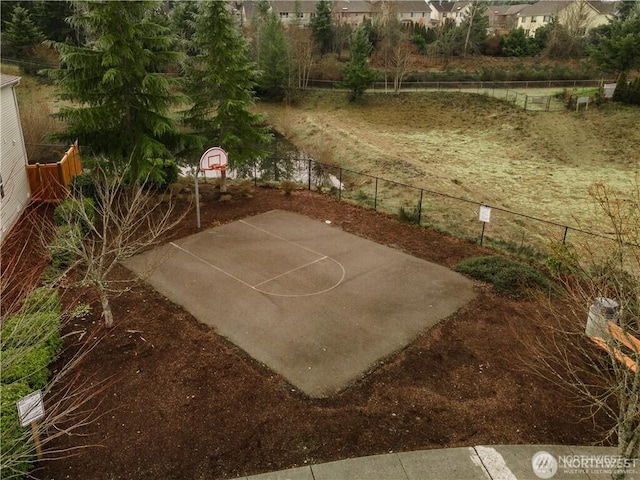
(291,12)
(14,186)
(440,11)
(443,10)
(503,18)
(353,12)
(579,16)
(414,11)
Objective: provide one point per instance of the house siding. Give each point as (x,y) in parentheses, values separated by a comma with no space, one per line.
(13,158)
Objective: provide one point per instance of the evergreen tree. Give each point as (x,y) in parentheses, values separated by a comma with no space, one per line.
(50,16)
(20,34)
(617,48)
(474,25)
(517,44)
(322,27)
(121,99)
(182,19)
(274,59)
(220,82)
(357,75)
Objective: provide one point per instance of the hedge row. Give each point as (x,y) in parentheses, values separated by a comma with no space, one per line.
(30,341)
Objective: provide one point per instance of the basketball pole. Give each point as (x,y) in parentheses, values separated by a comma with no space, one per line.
(197,199)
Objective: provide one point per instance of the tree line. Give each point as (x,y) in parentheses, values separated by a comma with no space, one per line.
(130,66)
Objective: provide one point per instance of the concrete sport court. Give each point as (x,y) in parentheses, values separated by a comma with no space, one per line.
(315,304)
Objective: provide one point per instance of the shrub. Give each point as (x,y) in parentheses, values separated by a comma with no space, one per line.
(288,186)
(50,276)
(158,173)
(28,365)
(42,299)
(507,276)
(79,212)
(40,329)
(83,186)
(14,444)
(409,215)
(62,250)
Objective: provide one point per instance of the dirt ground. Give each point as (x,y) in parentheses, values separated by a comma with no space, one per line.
(182,402)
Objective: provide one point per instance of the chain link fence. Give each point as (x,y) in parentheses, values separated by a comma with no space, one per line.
(506,230)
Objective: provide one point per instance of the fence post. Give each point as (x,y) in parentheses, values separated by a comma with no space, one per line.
(526,98)
(309,182)
(548,103)
(564,237)
(375,197)
(420,206)
(340,186)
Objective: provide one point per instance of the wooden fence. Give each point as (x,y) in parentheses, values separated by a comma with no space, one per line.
(49,182)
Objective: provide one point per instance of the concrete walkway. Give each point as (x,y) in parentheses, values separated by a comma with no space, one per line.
(502,462)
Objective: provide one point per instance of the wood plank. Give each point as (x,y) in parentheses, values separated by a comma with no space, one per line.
(621,357)
(628,340)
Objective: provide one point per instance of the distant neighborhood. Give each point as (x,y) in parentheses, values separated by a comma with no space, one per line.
(579,16)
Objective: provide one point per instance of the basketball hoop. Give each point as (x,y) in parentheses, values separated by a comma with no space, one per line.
(214,159)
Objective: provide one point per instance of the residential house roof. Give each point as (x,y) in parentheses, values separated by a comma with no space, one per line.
(352,6)
(605,7)
(302,6)
(413,6)
(8,80)
(442,5)
(544,7)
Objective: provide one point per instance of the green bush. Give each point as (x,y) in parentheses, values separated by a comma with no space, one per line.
(507,276)
(42,299)
(79,212)
(409,215)
(61,249)
(83,186)
(27,364)
(15,444)
(50,276)
(158,173)
(40,329)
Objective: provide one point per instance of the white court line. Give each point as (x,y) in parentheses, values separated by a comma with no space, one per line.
(212,265)
(290,271)
(282,238)
(255,287)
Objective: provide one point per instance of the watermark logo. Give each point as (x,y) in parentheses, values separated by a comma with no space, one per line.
(544,464)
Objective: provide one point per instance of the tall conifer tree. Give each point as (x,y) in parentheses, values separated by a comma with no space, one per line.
(122,100)
(220,81)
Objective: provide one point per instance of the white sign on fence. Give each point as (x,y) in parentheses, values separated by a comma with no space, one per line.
(485,214)
(31,408)
(609,90)
(582,101)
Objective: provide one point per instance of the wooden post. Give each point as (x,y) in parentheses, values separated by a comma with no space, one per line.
(36,439)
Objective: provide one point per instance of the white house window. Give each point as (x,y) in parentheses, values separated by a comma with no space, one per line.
(284,14)
(300,15)
(526,32)
(411,14)
(523,19)
(444,14)
(546,18)
(534,19)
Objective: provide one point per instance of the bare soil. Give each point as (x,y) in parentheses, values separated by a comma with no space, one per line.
(182,402)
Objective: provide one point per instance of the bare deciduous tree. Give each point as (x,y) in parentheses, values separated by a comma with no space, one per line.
(302,53)
(602,368)
(130,219)
(401,62)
